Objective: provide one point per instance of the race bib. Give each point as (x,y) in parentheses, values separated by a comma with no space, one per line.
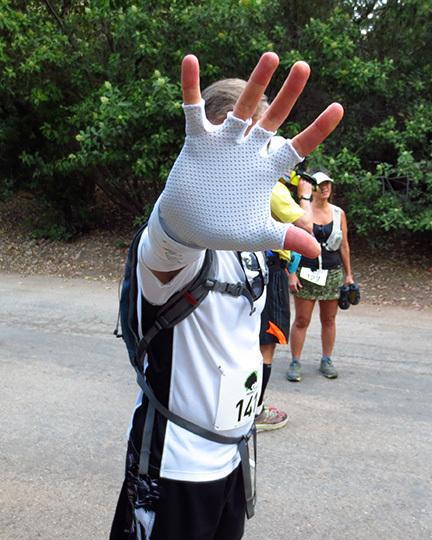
(238,398)
(319,277)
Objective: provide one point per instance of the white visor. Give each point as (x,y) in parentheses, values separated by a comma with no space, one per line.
(321,177)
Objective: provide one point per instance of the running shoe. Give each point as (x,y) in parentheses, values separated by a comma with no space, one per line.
(354,294)
(327,369)
(294,371)
(343,301)
(270,418)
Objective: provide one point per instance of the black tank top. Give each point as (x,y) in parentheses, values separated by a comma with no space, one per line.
(330,259)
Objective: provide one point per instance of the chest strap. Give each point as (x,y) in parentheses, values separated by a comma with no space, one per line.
(233,289)
(242,442)
(182,303)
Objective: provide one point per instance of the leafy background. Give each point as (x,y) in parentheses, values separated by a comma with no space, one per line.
(90,99)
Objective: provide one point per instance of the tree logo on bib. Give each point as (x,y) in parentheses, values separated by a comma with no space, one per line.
(251,382)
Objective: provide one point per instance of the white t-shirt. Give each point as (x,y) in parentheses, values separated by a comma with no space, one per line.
(215,369)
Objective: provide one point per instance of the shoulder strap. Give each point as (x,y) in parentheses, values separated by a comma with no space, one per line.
(336,217)
(177,308)
(126,318)
(130,272)
(180,305)
(336,229)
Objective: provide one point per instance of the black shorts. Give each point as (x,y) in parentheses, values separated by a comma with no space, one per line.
(275,318)
(188,511)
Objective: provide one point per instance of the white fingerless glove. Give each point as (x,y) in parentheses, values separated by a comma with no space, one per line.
(218,192)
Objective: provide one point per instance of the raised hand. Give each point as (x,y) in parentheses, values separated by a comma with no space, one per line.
(218,192)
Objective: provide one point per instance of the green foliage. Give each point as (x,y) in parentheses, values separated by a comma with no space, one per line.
(90,93)
(52,231)
(381,154)
(89,96)
(393,196)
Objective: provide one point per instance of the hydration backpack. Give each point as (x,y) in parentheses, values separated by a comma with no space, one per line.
(335,239)
(157,318)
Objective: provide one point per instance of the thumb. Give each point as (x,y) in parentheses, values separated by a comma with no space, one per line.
(298,240)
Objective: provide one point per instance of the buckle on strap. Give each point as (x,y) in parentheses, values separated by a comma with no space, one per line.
(234,289)
(210,284)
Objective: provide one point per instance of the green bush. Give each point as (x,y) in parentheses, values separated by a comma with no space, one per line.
(89,96)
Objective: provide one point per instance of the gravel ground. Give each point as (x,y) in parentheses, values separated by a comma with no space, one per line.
(386,278)
(97,255)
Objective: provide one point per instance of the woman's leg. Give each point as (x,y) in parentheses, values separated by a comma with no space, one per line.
(328,310)
(303,314)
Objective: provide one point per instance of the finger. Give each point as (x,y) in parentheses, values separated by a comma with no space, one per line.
(298,240)
(319,130)
(256,85)
(281,106)
(190,80)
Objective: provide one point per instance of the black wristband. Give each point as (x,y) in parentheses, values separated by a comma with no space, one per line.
(306,198)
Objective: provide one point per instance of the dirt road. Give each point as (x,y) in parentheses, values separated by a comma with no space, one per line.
(354,461)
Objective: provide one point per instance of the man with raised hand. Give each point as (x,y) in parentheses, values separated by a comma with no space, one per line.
(206,370)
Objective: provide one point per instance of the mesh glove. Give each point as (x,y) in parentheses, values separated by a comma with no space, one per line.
(218,192)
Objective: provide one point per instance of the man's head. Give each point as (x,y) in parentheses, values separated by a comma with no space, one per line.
(221,96)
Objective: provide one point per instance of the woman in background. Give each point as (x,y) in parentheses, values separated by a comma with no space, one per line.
(320,279)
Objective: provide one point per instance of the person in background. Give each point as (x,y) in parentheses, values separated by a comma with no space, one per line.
(320,279)
(275,318)
(220,98)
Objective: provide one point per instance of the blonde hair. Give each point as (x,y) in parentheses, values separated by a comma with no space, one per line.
(221,96)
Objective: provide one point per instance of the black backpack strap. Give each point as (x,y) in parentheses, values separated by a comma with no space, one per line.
(131,265)
(242,442)
(117,326)
(144,459)
(248,469)
(180,305)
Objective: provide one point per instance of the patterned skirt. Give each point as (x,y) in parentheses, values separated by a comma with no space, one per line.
(330,291)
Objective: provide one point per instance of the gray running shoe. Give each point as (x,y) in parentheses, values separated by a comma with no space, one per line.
(294,371)
(270,418)
(327,369)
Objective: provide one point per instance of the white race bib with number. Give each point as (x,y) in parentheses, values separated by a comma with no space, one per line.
(238,398)
(319,277)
